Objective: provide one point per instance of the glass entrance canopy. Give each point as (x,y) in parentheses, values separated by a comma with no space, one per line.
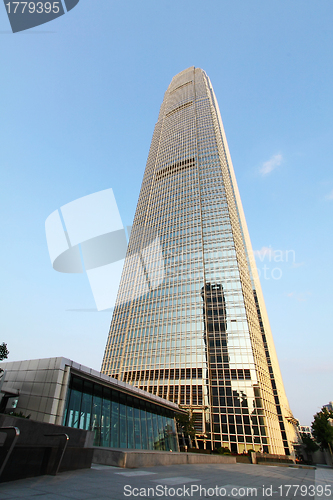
(119,420)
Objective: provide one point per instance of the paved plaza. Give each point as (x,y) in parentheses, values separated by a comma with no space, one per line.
(177,481)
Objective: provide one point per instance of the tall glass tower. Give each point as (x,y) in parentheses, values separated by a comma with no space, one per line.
(190,323)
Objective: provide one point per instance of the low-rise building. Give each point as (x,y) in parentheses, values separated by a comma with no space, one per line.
(305,429)
(60,391)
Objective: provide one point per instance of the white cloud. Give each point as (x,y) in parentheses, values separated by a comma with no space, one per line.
(316,368)
(275,255)
(264,252)
(271,164)
(329,196)
(300,297)
(297,264)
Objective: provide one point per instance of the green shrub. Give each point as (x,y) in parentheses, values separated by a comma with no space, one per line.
(223,450)
(19,414)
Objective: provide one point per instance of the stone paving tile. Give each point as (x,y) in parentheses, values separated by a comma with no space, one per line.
(135,473)
(103,467)
(175,480)
(107,483)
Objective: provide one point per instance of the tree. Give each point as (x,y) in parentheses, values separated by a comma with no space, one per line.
(185,426)
(310,446)
(3,353)
(322,428)
(309,443)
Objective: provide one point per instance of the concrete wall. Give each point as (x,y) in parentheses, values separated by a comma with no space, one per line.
(33,433)
(143,458)
(36,452)
(259,458)
(322,458)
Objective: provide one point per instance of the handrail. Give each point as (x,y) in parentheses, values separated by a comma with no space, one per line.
(9,443)
(66,436)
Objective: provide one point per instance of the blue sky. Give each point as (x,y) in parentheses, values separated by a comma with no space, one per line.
(79,101)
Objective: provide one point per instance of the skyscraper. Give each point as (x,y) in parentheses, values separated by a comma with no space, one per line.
(190,322)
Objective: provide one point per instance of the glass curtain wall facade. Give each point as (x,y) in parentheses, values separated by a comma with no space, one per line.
(119,420)
(190,323)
